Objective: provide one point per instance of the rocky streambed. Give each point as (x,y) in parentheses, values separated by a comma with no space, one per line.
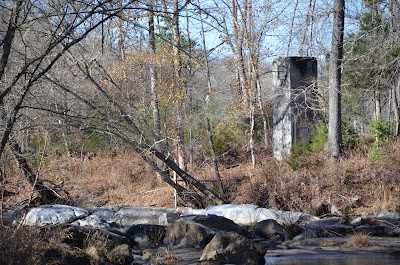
(224,234)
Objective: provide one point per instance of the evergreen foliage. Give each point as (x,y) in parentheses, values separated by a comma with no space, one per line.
(381,129)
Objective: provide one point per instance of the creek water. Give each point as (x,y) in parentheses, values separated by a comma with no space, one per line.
(339,259)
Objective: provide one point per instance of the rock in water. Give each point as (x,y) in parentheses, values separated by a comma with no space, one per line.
(233,248)
(198,230)
(187,233)
(270,229)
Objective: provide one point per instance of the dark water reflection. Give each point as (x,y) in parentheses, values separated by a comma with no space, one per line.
(348,259)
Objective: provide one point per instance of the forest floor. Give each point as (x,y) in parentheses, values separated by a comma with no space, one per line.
(355,185)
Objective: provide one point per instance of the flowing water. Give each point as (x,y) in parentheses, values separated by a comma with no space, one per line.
(339,259)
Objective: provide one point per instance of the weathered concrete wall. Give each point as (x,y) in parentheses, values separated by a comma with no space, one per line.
(294,102)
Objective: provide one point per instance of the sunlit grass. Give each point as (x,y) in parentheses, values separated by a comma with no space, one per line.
(358,240)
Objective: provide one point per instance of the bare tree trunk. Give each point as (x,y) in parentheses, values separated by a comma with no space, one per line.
(180,109)
(153,85)
(6,122)
(377,104)
(153,76)
(209,85)
(252,62)
(264,117)
(63,135)
(190,94)
(251,136)
(238,34)
(334,143)
(121,34)
(213,155)
(290,37)
(396,107)
(9,37)
(308,30)
(203,189)
(47,195)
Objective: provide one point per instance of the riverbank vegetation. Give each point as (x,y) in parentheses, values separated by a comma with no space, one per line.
(360,183)
(125,102)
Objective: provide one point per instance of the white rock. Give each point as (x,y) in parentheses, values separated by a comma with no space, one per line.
(53,214)
(249,214)
(92,221)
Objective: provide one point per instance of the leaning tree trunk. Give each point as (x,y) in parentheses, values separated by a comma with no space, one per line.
(47,195)
(334,143)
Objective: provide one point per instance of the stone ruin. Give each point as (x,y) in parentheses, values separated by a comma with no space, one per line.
(294,102)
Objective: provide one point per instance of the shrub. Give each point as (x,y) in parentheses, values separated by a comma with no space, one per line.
(350,137)
(226,138)
(378,151)
(300,151)
(319,136)
(381,129)
(17,246)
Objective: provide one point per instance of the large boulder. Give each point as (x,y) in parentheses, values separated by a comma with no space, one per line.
(99,217)
(79,236)
(220,223)
(144,235)
(129,215)
(198,230)
(54,214)
(270,229)
(233,248)
(249,214)
(187,233)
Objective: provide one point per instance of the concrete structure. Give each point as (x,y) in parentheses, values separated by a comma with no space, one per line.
(294,103)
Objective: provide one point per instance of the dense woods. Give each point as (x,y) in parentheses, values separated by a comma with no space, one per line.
(187,85)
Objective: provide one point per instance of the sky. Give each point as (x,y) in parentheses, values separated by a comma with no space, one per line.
(280,20)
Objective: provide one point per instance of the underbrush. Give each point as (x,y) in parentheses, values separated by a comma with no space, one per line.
(54,245)
(17,246)
(31,245)
(354,184)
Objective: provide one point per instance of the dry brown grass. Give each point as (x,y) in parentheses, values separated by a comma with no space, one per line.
(353,183)
(124,179)
(120,180)
(358,240)
(166,256)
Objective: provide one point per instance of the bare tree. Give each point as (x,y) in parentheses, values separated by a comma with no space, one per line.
(207,99)
(65,32)
(38,35)
(153,82)
(334,143)
(116,116)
